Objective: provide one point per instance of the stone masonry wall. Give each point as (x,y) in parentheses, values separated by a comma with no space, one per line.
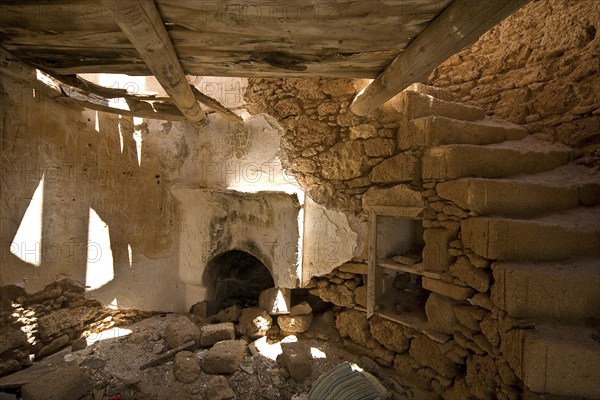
(540,67)
(328,149)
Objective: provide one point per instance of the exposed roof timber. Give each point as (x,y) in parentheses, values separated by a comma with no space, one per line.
(460,25)
(20,72)
(142,24)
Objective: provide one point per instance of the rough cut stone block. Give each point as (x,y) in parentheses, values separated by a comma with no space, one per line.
(437,131)
(398,169)
(224,357)
(440,316)
(68,382)
(186,366)
(301,309)
(565,290)
(436,256)
(181,330)
(296,324)
(360,296)
(552,237)
(355,268)
(254,322)
(428,353)
(526,156)
(211,334)
(297,359)
(275,300)
(562,360)
(417,105)
(396,196)
(218,389)
(447,289)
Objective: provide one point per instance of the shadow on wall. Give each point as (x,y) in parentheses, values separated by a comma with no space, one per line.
(81,197)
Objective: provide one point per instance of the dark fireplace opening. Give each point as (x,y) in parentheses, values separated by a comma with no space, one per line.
(238,278)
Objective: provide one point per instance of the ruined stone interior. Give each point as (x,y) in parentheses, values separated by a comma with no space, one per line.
(447,242)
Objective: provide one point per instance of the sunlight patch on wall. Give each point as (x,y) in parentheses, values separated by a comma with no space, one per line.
(27,243)
(100,267)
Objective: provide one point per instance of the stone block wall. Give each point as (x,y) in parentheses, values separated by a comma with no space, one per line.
(539,68)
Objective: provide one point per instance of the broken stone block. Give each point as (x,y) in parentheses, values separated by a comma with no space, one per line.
(436,256)
(470,316)
(296,324)
(408,259)
(447,289)
(186,366)
(440,315)
(275,300)
(224,357)
(79,344)
(301,309)
(67,382)
(363,131)
(297,359)
(229,314)
(211,334)
(218,389)
(254,322)
(360,296)
(181,330)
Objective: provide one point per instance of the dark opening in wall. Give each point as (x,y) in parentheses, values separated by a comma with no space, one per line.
(237,278)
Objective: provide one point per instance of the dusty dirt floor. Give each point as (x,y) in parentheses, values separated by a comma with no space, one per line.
(112,360)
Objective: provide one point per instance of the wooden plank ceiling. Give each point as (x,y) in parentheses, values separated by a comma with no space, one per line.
(327,38)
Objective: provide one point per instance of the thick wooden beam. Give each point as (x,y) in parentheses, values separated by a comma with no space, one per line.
(142,24)
(458,26)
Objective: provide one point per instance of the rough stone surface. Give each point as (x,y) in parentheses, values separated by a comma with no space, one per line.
(229,314)
(477,278)
(340,295)
(181,330)
(218,389)
(224,357)
(360,296)
(254,322)
(297,359)
(354,324)
(302,308)
(391,335)
(211,334)
(481,373)
(65,383)
(398,169)
(539,84)
(186,366)
(295,324)
(427,352)
(440,315)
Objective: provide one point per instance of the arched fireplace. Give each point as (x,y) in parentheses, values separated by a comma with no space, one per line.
(237,277)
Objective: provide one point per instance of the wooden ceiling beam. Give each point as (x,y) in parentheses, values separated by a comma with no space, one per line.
(141,22)
(458,26)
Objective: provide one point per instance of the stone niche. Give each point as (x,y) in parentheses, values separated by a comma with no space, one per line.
(232,228)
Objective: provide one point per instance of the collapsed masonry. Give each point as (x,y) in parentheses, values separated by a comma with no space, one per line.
(512,240)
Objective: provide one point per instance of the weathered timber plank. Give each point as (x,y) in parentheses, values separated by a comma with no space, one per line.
(142,23)
(461,24)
